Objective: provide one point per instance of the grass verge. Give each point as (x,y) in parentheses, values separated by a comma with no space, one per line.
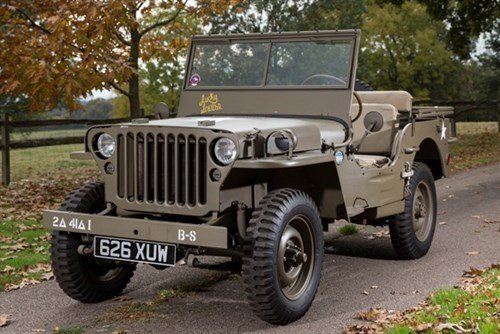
(24,254)
(474,150)
(471,308)
(33,163)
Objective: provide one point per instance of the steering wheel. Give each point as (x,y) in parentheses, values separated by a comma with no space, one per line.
(360,104)
(325,76)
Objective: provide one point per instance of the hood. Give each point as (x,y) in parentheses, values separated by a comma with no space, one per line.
(310,132)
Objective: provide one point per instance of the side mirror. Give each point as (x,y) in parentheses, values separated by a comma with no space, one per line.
(161,111)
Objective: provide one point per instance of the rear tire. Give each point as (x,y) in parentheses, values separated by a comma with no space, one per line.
(283,254)
(413,230)
(85,278)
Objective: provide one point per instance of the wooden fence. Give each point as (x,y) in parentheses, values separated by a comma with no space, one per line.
(6,144)
(461,107)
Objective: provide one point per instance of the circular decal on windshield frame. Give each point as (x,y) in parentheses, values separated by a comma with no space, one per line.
(194,80)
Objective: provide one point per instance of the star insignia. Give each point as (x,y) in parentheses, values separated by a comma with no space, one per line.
(443,131)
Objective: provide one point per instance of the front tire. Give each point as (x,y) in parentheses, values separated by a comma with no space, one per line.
(85,278)
(283,256)
(413,230)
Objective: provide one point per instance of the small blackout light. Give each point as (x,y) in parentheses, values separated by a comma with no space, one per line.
(109,168)
(215,174)
(339,157)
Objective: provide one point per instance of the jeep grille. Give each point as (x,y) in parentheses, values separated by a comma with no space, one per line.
(162,169)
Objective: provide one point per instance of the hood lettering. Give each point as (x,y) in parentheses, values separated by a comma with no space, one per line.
(209,103)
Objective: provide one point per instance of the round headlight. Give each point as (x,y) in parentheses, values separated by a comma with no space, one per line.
(225,150)
(106,145)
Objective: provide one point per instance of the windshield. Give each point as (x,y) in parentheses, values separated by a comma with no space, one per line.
(291,64)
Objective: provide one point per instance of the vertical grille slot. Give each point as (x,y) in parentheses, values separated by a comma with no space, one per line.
(150,162)
(202,171)
(139,165)
(129,166)
(171,169)
(122,167)
(181,170)
(162,169)
(191,170)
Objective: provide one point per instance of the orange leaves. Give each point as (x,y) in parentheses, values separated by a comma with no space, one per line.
(60,50)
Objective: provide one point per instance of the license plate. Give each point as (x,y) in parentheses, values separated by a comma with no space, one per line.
(134,251)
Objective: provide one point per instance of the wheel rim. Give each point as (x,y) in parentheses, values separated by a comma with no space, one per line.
(422,212)
(296,256)
(102,272)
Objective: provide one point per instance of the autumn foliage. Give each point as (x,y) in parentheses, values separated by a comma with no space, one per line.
(52,51)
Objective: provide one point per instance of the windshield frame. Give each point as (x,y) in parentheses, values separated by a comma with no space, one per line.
(323,36)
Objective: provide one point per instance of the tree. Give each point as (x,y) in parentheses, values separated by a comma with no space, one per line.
(259,16)
(403,49)
(160,78)
(488,85)
(160,81)
(466,20)
(282,15)
(53,50)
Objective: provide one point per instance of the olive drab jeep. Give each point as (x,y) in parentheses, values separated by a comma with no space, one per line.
(273,142)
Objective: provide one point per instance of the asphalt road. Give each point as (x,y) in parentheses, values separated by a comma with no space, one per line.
(352,264)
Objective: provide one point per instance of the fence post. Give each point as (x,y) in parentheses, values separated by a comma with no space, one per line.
(5,150)
(498,109)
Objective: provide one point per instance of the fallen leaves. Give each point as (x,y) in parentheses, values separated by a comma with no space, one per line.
(380,234)
(473,272)
(44,269)
(423,327)
(478,290)
(23,238)
(24,283)
(26,199)
(373,314)
(454,327)
(4,320)
(472,253)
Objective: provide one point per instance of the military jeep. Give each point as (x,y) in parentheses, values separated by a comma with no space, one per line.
(272,143)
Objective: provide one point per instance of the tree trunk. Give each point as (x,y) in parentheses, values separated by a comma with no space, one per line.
(133,98)
(133,82)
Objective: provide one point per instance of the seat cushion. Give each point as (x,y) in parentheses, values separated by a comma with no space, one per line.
(379,142)
(400,99)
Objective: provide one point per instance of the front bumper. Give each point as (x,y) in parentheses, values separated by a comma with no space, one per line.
(141,229)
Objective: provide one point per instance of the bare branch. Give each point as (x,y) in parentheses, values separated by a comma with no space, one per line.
(118,88)
(33,23)
(44,30)
(164,22)
(121,38)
